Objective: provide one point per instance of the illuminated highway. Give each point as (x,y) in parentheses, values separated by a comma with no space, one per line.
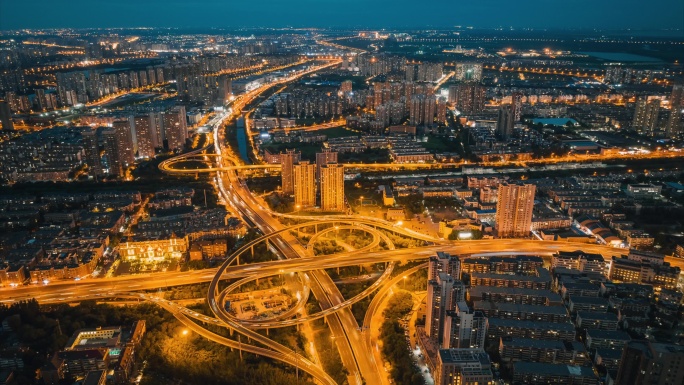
(342,323)
(174,165)
(68,291)
(356,345)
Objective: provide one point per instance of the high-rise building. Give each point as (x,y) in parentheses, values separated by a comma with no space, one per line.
(464,328)
(443,294)
(305,184)
(287,161)
(143,135)
(468,72)
(113,152)
(151,75)
(430,110)
(514,206)
(674,123)
(159,74)
(645,362)
(614,74)
(378,94)
(346,87)
(463,367)
(417,110)
(444,263)
(12,100)
(124,135)
(6,116)
(41,100)
(505,122)
(410,72)
(423,110)
(440,115)
(332,187)
(157,132)
(175,128)
(468,98)
(516,105)
(142,78)
(92,152)
(646,115)
(323,158)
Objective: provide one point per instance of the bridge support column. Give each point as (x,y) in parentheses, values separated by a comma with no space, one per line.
(240,346)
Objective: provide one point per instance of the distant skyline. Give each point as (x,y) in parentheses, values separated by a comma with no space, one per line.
(550,14)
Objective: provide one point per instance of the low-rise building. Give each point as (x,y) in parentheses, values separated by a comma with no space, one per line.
(463,366)
(522,264)
(595,304)
(499,327)
(542,280)
(644,191)
(579,289)
(596,320)
(609,339)
(607,358)
(153,249)
(514,295)
(542,313)
(536,373)
(635,271)
(584,262)
(547,351)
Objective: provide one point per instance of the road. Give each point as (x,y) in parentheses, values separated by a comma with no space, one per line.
(68,291)
(355,347)
(371,334)
(315,127)
(238,196)
(168,166)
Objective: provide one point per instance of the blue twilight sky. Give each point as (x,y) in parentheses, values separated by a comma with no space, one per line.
(556,14)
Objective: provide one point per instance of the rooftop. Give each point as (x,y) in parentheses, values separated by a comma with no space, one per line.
(590,300)
(543,309)
(608,334)
(553,369)
(592,315)
(477,291)
(558,326)
(455,356)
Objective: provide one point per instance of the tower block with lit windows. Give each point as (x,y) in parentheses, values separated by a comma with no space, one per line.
(305,184)
(332,187)
(514,209)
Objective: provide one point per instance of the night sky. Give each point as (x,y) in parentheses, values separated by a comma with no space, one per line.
(554,14)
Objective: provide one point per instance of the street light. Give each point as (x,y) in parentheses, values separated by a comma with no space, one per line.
(185,332)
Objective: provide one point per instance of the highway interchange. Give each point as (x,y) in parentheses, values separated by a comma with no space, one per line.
(354,343)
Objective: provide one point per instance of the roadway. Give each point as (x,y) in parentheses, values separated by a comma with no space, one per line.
(315,127)
(118,286)
(355,348)
(370,334)
(287,356)
(324,289)
(168,166)
(69,291)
